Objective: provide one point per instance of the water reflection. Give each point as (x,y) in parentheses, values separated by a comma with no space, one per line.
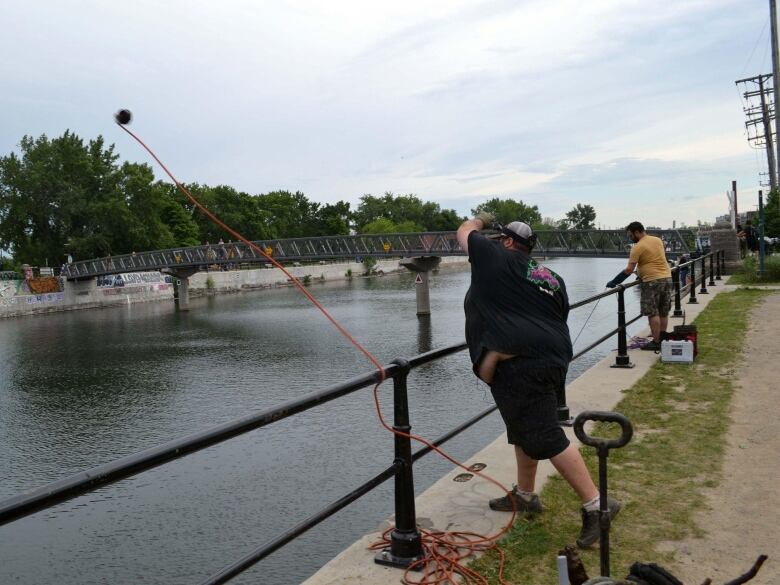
(424,333)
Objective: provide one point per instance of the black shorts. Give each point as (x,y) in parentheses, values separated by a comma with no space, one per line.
(526,393)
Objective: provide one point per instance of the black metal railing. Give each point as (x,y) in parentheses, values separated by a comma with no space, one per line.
(405,542)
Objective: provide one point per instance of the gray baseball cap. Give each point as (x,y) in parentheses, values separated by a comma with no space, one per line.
(520,232)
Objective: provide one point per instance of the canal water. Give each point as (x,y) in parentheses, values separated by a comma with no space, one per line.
(83,388)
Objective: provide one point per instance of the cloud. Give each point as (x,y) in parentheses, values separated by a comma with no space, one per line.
(627,104)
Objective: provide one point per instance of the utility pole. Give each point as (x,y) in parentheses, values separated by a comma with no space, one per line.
(760,115)
(775,68)
(761,243)
(770,149)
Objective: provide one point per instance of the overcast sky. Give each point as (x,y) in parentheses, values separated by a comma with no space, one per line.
(627,105)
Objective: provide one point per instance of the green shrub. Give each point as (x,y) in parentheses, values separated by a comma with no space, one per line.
(306,280)
(748,274)
(348,273)
(209,283)
(369,262)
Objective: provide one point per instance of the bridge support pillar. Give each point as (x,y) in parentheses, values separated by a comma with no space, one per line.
(184,294)
(422,265)
(183,287)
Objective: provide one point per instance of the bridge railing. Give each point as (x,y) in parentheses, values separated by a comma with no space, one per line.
(550,243)
(312,248)
(405,541)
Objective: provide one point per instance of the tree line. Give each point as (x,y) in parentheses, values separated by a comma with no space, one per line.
(771,215)
(66,196)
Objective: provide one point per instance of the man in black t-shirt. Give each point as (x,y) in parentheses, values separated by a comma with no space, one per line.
(516,311)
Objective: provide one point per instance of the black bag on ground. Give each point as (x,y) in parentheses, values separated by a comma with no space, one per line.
(651,574)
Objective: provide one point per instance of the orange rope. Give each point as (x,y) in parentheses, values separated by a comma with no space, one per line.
(444,551)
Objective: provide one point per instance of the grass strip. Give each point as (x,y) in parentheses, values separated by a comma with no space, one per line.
(680,416)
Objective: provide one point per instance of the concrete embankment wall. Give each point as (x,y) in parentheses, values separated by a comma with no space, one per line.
(77,295)
(16,301)
(238,280)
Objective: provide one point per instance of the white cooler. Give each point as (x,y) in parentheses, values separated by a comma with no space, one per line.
(677,352)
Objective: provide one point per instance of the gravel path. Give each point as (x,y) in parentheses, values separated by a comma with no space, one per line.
(743,519)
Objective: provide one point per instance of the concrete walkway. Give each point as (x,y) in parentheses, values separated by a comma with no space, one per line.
(462,506)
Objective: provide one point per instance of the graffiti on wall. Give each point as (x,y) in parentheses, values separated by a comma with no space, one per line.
(131,279)
(32,299)
(9,288)
(130,283)
(44,284)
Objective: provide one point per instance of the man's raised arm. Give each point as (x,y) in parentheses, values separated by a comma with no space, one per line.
(480,222)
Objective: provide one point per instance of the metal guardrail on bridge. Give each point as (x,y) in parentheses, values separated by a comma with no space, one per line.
(585,243)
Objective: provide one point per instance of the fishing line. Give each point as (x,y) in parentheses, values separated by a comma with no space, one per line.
(443,550)
(596,304)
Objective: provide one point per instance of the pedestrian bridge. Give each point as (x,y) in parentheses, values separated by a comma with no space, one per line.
(552,243)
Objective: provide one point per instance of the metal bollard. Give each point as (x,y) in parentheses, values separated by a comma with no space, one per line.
(712,270)
(717,263)
(723,262)
(602,447)
(622,360)
(703,290)
(405,540)
(678,312)
(692,300)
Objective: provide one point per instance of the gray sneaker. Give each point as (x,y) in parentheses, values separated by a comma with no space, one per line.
(589,534)
(530,508)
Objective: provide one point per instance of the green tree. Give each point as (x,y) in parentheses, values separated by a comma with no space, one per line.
(149,212)
(238,210)
(509,210)
(290,215)
(408,227)
(772,215)
(62,195)
(370,209)
(379,226)
(334,219)
(408,211)
(581,217)
(436,219)
(542,226)
(183,229)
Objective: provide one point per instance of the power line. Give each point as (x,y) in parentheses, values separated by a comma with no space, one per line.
(759,108)
(758,40)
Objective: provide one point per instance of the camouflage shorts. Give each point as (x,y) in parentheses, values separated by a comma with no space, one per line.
(656,297)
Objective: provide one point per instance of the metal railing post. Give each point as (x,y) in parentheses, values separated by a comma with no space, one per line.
(712,270)
(678,312)
(692,300)
(703,290)
(405,540)
(622,360)
(723,262)
(717,265)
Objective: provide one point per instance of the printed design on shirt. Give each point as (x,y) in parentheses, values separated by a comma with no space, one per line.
(542,276)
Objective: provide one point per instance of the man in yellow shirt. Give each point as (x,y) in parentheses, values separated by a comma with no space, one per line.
(648,255)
